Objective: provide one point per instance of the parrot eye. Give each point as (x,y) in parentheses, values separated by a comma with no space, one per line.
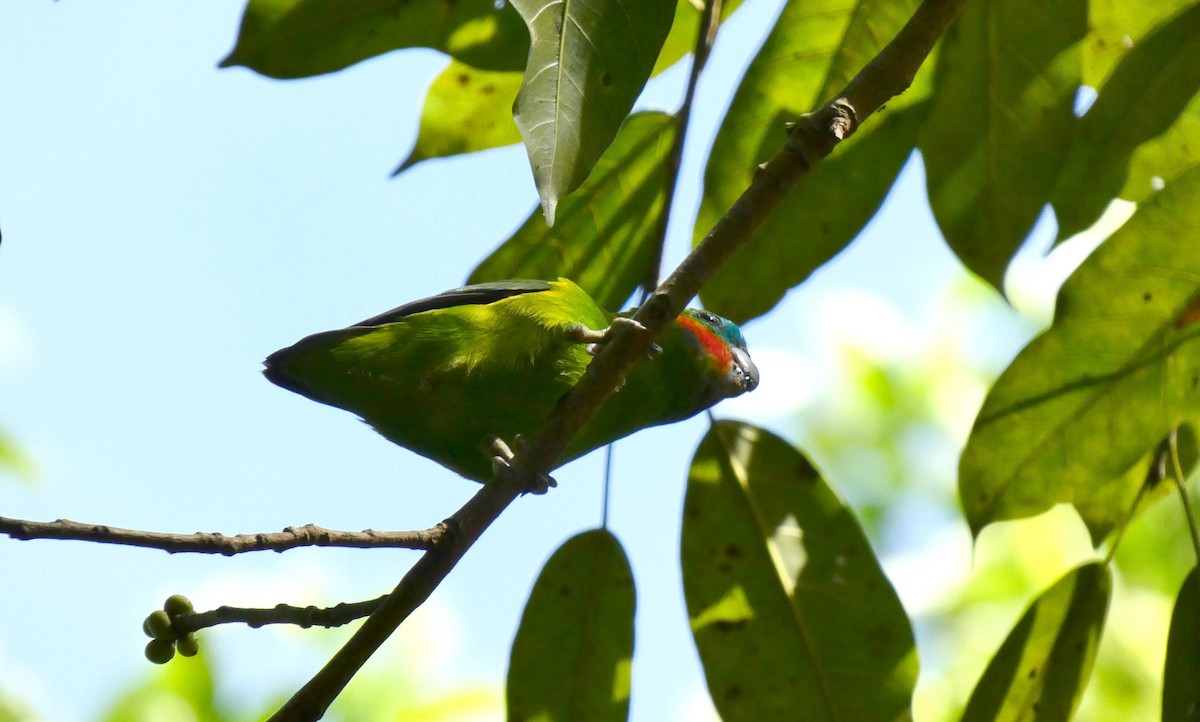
(709,318)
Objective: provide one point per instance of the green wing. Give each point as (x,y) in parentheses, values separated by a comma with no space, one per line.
(442,375)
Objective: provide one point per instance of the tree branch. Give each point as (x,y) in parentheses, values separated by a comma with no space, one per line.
(809,141)
(309,535)
(306,617)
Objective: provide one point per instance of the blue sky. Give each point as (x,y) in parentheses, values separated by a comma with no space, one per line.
(168,224)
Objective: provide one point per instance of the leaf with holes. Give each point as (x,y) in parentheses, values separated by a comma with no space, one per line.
(588,62)
(301,38)
(1001,123)
(1041,670)
(606,232)
(813,50)
(1116,371)
(571,657)
(789,607)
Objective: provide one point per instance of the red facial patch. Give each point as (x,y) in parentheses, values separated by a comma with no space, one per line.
(716,347)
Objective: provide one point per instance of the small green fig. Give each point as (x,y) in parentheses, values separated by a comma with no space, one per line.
(159,651)
(177,604)
(158,625)
(189,646)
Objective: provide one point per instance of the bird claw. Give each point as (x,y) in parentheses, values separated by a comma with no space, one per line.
(503,461)
(596,339)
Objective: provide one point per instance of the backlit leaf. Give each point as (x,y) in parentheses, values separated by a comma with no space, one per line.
(814,49)
(793,617)
(1001,123)
(1041,670)
(1181,675)
(571,657)
(1116,371)
(1143,98)
(300,38)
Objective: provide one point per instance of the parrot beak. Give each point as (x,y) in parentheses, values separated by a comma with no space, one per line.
(746,371)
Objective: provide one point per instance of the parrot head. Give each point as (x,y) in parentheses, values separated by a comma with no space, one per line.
(719,345)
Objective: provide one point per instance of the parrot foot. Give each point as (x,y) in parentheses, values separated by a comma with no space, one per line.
(503,460)
(596,339)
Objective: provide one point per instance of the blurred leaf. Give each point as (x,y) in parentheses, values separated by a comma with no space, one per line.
(300,38)
(1117,26)
(813,50)
(1001,124)
(14,461)
(180,689)
(605,235)
(789,607)
(1041,670)
(466,110)
(1117,370)
(1181,675)
(587,64)
(1146,93)
(1110,506)
(571,657)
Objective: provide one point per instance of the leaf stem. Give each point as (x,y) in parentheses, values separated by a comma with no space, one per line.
(706,35)
(1180,483)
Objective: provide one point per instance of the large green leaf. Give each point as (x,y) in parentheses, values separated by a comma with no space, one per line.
(588,62)
(793,617)
(1159,161)
(1143,98)
(1116,371)
(1181,674)
(571,658)
(299,38)
(1001,123)
(1041,670)
(814,49)
(606,232)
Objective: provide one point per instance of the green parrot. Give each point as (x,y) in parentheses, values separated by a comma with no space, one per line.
(448,375)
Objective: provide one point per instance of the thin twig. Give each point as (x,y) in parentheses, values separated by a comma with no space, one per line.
(305,617)
(308,535)
(810,140)
(706,35)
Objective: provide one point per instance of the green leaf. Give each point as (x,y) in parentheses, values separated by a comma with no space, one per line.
(1159,161)
(1181,674)
(1116,371)
(300,38)
(1117,26)
(606,232)
(182,688)
(789,607)
(466,110)
(571,657)
(814,49)
(1041,670)
(587,64)
(1111,506)
(1001,123)
(1146,93)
